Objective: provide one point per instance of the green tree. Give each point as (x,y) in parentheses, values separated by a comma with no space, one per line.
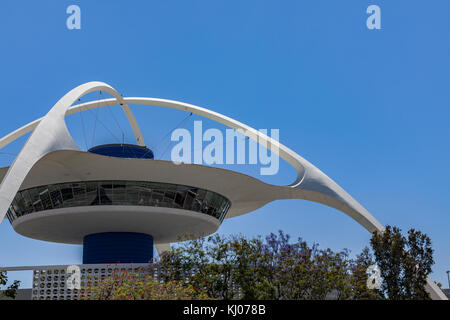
(359,277)
(249,272)
(404,263)
(11,290)
(124,285)
(235,267)
(209,264)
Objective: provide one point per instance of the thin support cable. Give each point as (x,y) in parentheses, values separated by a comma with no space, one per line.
(116,121)
(104,126)
(170,131)
(84,130)
(95,125)
(169,144)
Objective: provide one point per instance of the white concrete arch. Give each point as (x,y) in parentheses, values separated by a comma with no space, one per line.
(316,186)
(50,134)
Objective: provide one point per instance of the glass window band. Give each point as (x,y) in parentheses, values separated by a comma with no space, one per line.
(134,193)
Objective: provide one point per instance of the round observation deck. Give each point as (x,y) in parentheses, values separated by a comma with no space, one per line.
(130,151)
(69,194)
(67,212)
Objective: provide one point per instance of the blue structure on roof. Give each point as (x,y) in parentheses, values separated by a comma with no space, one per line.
(123,151)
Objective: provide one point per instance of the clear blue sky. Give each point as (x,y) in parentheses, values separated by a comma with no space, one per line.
(369,108)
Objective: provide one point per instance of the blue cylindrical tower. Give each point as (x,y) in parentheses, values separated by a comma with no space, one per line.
(117,247)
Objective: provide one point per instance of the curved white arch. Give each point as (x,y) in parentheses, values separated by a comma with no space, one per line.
(312,183)
(50,134)
(316,185)
(12,136)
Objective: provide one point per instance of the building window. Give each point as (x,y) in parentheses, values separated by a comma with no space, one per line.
(134,193)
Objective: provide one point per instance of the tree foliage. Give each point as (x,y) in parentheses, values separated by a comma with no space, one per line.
(275,267)
(125,285)
(11,290)
(272,268)
(405,263)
